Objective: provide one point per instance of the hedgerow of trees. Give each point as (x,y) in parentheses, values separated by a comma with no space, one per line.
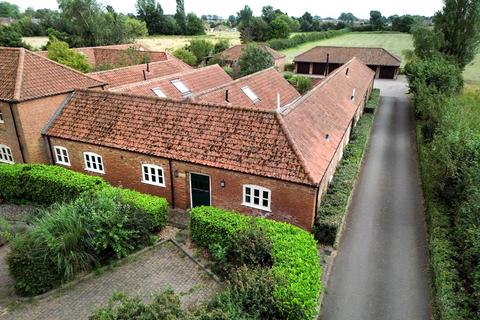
(449,151)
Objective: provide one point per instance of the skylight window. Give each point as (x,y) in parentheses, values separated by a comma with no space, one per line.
(181,87)
(159,92)
(250,94)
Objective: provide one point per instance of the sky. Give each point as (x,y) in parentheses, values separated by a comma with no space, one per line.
(224,8)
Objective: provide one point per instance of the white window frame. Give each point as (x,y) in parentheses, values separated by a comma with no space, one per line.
(250,94)
(61,154)
(2,120)
(6,155)
(261,190)
(156,170)
(98,161)
(177,83)
(159,93)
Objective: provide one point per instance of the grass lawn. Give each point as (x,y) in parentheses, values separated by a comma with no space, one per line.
(472,74)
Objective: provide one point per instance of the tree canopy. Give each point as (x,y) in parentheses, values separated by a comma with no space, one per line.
(253,59)
(60,52)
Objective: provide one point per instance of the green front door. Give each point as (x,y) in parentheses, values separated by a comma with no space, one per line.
(200,189)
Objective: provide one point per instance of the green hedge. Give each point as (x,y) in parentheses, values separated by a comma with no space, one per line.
(294,251)
(333,207)
(298,39)
(156,207)
(44,184)
(373,102)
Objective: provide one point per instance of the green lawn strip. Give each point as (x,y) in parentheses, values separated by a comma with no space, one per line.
(294,250)
(334,204)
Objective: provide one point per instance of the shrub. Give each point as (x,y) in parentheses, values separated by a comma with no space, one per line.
(281,44)
(221,45)
(201,49)
(71,238)
(60,52)
(373,102)
(43,184)
(186,56)
(301,83)
(332,210)
(253,59)
(294,254)
(251,248)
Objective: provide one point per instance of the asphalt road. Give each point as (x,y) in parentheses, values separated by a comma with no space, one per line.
(381,268)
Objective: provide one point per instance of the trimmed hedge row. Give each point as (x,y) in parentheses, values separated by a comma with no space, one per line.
(332,210)
(298,39)
(44,184)
(373,102)
(294,252)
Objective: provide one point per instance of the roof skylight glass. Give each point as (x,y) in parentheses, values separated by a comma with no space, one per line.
(159,92)
(181,87)
(250,94)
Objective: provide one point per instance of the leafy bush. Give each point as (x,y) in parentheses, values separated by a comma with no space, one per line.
(298,39)
(221,45)
(251,248)
(71,238)
(373,102)
(60,52)
(332,210)
(294,254)
(253,59)
(301,83)
(43,184)
(165,305)
(186,56)
(201,49)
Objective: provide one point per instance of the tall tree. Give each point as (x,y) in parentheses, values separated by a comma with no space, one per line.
(245,15)
(268,14)
(195,25)
(459,22)
(8,9)
(152,14)
(180,17)
(377,20)
(348,18)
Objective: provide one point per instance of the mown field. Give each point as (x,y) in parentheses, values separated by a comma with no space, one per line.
(394,42)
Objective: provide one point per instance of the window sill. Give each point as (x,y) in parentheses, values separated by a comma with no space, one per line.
(94,171)
(8,162)
(154,184)
(64,164)
(256,207)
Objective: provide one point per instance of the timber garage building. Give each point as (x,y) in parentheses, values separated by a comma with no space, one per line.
(321,61)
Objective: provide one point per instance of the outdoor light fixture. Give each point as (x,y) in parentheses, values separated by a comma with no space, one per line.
(175,173)
(222,183)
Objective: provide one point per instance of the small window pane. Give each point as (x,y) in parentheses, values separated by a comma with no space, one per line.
(256,193)
(265,202)
(247,199)
(248,191)
(256,200)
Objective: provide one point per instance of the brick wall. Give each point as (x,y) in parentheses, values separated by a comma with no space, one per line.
(290,202)
(32,116)
(8,137)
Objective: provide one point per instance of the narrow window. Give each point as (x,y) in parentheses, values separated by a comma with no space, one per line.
(93,162)
(1,117)
(6,154)
(153,174)
(250,94)
(61,155)
(159,92)
(181,87)
(256,197)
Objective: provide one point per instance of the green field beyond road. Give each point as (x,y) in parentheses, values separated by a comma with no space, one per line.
(396,43)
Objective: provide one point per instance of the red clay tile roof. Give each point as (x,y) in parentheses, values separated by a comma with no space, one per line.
(196,80)
(266,84)
(26,75)
(234,53)
(137,73)
(326,109)
(369,56)
(232,138)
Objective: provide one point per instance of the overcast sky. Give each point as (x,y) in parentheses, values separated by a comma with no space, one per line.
(224,8)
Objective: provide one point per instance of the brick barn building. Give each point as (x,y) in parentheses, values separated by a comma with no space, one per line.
(274,162)
(232,56)
(321,61)
(31,89)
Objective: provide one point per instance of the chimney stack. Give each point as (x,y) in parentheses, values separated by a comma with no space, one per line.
(148,67)
(144,75)
(278,102)
(227,98)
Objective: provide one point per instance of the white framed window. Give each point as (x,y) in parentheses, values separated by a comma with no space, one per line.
(159,92)
(93,162)
(1,117)
(152,174)
(181,87)
(61,155)
(250,94)
(256,197)
(6,154)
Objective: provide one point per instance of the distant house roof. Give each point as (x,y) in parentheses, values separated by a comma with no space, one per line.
(265,85)
(295,143)
(141,72)
(232,138)
(327,109)
(26,75)
(196,80)
(234,53)
(369,56)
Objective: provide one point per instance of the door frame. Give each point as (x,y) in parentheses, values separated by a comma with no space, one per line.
(190,186)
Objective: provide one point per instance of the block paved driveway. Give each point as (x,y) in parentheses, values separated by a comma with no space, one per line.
(381,268)
(164,266)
